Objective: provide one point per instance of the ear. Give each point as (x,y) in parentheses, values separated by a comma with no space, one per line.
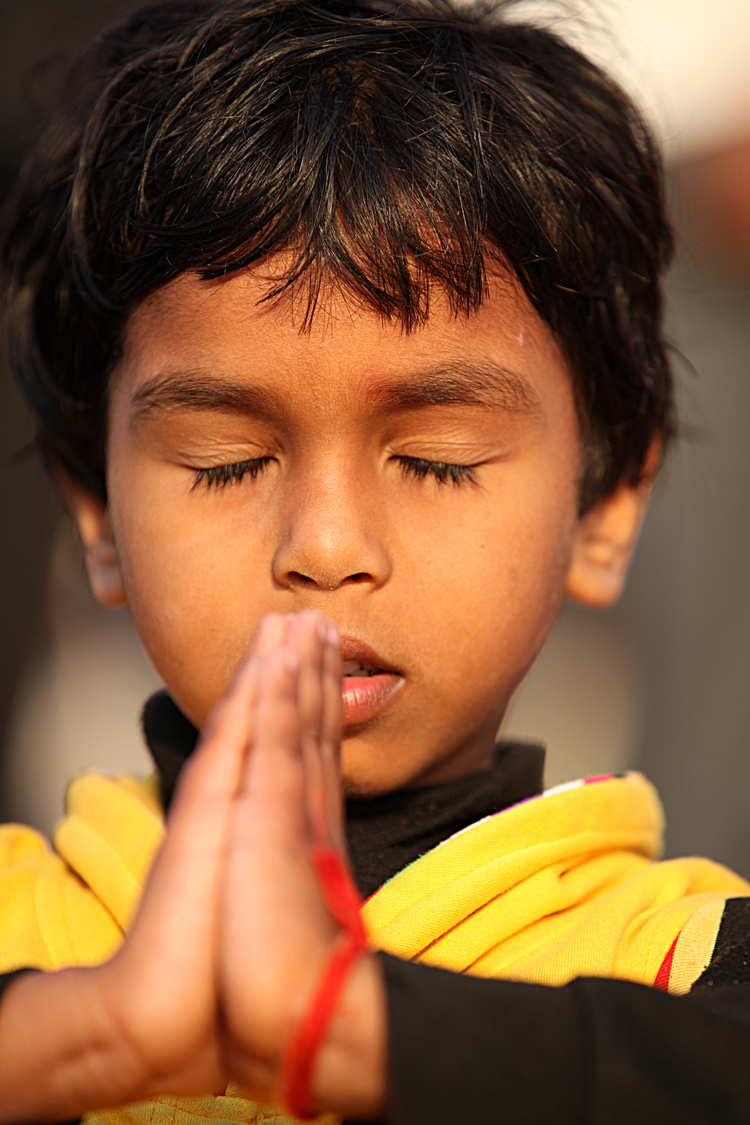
(606,538)
(91,517)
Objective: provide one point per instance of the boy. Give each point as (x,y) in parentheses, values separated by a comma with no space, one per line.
(341,325)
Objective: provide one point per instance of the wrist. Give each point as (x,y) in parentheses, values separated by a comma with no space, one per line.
(59,1051)
(351,1068)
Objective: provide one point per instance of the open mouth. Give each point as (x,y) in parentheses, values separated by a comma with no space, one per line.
(367,687)
(359,669)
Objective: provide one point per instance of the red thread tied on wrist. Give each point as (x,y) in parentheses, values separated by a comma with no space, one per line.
(342,899)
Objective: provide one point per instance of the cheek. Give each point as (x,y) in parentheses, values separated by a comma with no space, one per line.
(194,591)
(494,587)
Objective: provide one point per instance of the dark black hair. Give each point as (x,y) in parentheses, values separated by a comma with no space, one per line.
(391,148)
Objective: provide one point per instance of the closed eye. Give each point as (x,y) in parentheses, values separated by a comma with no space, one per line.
(442,471)
(219,476)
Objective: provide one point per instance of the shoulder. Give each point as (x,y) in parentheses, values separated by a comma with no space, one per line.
(46,911)
(69,906)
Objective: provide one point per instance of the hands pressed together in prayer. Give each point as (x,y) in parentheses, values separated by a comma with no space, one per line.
(233,932)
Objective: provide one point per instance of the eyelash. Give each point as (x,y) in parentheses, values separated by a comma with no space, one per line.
(443,472)
(219,476)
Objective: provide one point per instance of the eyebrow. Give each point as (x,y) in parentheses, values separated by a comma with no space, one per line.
(482,383)
(202,390)
(459,383)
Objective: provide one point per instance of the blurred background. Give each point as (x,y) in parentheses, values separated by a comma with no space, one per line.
(660,682)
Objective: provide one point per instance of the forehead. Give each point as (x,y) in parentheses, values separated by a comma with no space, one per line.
(191,336)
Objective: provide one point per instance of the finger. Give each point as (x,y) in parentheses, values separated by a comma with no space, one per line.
(216,764)
(272,631)
(299,634)
(275,925)
(177,924)
(177,921)
(306,637)
(330,737)
(274,781)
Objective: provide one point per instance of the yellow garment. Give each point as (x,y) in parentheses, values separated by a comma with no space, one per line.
(563,885)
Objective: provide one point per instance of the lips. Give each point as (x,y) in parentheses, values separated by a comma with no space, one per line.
(370,683)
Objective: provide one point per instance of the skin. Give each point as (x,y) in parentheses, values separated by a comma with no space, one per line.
(332,522)
(170,1015)
(454,587)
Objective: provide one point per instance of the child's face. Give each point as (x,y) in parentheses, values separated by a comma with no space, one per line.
(452,588)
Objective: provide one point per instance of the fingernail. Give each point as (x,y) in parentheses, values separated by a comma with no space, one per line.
(332,634)
(322,631)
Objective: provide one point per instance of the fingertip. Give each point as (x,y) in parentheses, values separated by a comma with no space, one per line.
(273,629)
(308,632)
(308,616)
(273,624)
(332,635)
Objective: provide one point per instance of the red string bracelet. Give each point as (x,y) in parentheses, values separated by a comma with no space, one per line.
(342,899)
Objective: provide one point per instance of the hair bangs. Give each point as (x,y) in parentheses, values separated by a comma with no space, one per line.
(340,165)
(382,148)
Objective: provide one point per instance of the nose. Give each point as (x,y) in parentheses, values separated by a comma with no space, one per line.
(332,536)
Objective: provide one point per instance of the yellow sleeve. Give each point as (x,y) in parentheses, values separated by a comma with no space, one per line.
(48,918)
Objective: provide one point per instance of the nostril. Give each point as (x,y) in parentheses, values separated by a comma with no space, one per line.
(327,582)
(302,579)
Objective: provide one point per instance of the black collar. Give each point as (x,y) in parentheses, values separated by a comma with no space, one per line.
(385,833)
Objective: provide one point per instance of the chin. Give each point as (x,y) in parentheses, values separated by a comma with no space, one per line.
(358,787)
(361,777)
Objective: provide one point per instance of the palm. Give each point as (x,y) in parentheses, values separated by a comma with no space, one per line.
(224,897)
(276,931)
